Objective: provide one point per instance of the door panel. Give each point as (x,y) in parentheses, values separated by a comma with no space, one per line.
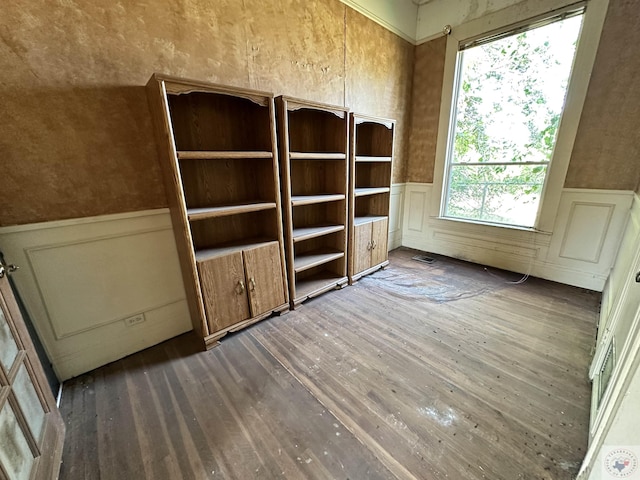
(224,290)
(8,346)
(263,270)
(379,237)
(15,455)
(362,247)
(29,402)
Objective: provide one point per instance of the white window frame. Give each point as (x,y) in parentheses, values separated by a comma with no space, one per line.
(508,18)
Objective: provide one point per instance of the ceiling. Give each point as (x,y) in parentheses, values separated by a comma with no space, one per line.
(421,20)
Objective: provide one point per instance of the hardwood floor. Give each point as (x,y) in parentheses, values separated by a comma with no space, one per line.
(418,371)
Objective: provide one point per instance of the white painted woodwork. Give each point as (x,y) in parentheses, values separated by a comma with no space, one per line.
(88,284)
(398,16)
(615,422)
(580,249)
(396,205)
(434,15)
(584,218)
(82,278)
(426,21)
(415,210)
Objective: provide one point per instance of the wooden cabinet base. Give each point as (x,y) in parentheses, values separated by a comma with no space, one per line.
(359,275)
(317,286)
(212,341)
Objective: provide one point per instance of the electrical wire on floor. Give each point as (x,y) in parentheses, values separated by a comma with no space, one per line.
(526,275)
(517,282)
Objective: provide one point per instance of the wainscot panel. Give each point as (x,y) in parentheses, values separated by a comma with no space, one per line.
(615,369)
(98,288)
(395,215)
(580,251)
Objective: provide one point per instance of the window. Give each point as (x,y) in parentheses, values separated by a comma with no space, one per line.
(508,100)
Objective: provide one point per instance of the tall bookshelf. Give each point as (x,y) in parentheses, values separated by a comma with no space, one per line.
(371,161)
(314,169)
(219,159)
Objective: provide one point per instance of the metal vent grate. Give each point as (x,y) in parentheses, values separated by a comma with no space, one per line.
(423,259)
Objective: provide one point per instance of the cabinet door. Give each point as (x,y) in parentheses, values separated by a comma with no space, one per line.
(263,269)
(362,247)
(223,291)
(31,428)
(379,240)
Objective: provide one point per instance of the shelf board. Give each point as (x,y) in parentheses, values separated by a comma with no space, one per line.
(366,158)
(211,212)
(300,234)
(367,219)
(316,156)
(314,258)
(318,283)
(310,199)
(360,192)
(231,247)
(220,155)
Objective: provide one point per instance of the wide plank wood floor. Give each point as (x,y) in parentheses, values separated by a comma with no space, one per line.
(419,371)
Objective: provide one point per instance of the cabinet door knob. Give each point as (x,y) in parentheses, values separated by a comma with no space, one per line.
(240,287)
(374,244)
(252,284)
(369,246)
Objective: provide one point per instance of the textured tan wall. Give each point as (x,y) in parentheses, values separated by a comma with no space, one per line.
(76,138)
(606,153)
(425,115)
(379,74)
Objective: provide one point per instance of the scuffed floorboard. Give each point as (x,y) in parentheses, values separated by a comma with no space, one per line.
(417,371)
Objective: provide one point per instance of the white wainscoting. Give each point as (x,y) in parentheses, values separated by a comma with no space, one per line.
(580,251)
(395,215)
(615,421)
(81,279)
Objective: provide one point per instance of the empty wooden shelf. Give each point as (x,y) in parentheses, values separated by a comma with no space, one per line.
(371,161)
(220,163)
(314,169)
(305,233)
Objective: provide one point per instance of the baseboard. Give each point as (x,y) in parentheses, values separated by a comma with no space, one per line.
(395,215)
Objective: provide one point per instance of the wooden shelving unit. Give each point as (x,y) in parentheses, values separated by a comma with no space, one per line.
(371,161)
(314,169)
(219,158)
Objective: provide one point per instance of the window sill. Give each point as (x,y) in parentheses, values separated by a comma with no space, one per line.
(465,221)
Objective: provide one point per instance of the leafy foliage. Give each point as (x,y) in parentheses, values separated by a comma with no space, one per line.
(508,111)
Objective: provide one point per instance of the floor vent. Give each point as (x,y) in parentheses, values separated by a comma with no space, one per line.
(423,259)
